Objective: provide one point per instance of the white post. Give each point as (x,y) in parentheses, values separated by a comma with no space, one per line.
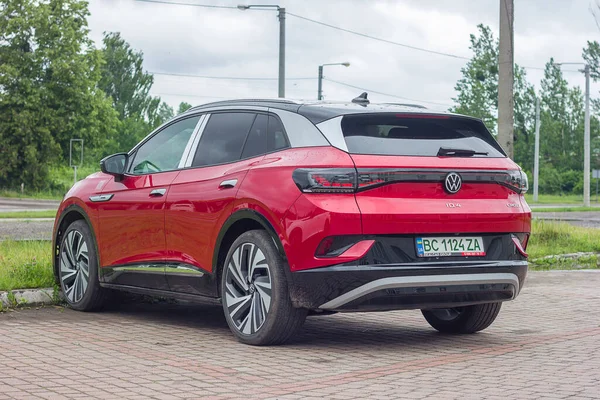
(536,163)
(74,174)
(586,141)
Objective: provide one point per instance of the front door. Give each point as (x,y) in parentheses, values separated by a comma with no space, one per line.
(131,224)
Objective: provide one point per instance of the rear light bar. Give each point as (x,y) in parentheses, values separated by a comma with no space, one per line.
(350,180)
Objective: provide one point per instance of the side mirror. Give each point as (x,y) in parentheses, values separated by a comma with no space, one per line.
(114,165)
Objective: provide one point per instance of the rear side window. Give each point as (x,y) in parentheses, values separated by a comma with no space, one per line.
(223,138)
(256,144)
(277,138)
(418,135)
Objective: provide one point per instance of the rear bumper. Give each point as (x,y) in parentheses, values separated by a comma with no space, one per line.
(407,286)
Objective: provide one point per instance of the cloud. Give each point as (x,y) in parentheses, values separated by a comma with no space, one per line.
(230,42)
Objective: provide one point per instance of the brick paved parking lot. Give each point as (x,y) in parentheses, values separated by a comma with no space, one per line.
(546,344)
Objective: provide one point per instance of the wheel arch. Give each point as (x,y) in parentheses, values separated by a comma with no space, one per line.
(239,222)
(69,215)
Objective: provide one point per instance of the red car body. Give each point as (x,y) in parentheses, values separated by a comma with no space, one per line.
(175,243)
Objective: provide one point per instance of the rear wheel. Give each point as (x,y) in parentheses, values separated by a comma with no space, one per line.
(254,292)
(469,319)
(78,268)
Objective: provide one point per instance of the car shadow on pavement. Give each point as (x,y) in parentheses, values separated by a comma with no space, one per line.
(398,330)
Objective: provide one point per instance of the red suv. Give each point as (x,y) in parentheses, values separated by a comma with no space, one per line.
(278,210)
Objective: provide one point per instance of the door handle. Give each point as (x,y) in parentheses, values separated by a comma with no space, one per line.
(158,192)
(228,184)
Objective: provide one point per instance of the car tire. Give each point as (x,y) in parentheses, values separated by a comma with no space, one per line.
(469,319)
(255,294)
(78,269)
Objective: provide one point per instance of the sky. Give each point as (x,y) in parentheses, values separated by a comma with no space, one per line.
(228,42)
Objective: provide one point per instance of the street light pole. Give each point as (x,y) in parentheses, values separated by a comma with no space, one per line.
(281,16)
(536,162)
(586,140)
(320,89)
(586,133)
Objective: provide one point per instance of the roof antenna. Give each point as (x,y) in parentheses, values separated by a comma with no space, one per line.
(361,100)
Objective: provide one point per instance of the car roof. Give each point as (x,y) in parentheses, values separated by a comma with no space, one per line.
(319,111)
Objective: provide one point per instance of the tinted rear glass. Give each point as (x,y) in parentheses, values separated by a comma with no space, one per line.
(416,135)
(223,138)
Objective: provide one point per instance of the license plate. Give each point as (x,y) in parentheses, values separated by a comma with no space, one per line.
(450,246)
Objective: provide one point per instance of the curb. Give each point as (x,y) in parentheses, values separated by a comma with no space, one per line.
(27,297)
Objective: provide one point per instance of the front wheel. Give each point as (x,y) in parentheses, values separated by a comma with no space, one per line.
(254,292)
(469,319)
(78,268)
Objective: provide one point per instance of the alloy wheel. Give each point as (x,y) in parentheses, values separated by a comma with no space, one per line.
(248,288)
(74,266)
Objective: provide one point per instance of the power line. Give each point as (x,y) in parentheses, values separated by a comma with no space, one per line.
(185,4)
(245,78)
(408,46)
(385,94)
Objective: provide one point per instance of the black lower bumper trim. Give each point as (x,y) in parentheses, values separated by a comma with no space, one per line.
(408,286)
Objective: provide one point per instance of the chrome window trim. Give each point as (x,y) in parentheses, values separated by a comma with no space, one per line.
(332,130)
(188,146)
(190,150)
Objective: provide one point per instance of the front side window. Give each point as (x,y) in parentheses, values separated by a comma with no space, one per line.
(163,151)
(223,138)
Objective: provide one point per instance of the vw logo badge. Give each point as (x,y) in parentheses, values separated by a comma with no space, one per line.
(452,183)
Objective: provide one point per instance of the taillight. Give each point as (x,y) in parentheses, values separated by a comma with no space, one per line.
(517,181)
(325,180)
(520,240)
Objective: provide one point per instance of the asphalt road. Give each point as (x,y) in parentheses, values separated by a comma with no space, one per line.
(8,204)
(545,344)
(41,228)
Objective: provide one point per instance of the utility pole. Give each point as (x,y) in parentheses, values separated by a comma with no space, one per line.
(536,162)
(281,16)
(506,77)
(320,90)
(586,140)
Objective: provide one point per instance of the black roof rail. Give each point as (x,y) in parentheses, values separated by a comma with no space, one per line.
(241,101)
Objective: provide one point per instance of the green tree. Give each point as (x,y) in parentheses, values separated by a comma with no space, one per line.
(128,85)
(477,94)
(561,132)
(49,71)
(183,107)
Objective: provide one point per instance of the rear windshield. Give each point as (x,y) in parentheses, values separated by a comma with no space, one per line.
(418,135)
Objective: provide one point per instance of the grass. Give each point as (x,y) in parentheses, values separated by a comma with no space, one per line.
(25,264)
(555,199)
(29,214)
(552,237)
(38,195)
(28,264)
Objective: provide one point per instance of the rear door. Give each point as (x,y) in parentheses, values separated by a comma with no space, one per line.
(431,174)
(202,196)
